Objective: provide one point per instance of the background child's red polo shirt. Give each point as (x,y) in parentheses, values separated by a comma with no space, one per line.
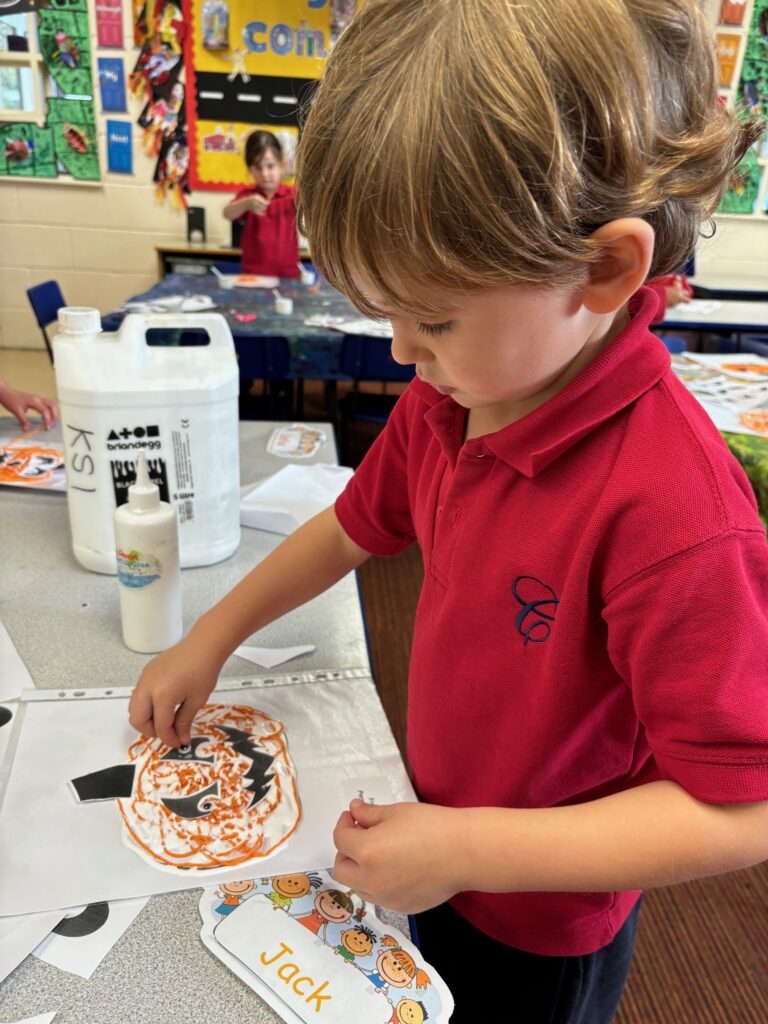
(594,613)
(269,241)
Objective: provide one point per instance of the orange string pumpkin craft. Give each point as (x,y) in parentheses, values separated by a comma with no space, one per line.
(227,798)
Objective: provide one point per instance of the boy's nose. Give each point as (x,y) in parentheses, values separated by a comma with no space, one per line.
(407,351)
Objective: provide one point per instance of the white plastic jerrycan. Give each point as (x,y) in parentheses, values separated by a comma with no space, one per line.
(119,395)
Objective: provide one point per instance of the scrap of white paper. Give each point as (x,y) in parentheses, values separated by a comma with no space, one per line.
(287,499)
(40,1018)
(20,935)
(269,657)
(82,954)
(14,674)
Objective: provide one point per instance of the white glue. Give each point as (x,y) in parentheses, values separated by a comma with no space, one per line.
(148,568)
(120,395)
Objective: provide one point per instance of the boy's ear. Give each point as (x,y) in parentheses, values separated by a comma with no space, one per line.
(627,249)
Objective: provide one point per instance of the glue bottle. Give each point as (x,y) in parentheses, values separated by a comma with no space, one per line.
(148,567)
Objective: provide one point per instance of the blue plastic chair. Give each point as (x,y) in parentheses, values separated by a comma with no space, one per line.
(755,344)
(268,359)
(367,359)
(46,301)
(675,345)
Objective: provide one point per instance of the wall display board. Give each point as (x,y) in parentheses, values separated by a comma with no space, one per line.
(249,67)
(47,119)
(742,50)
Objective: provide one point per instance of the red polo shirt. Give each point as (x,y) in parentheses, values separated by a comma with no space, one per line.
(594,613)
(269,241)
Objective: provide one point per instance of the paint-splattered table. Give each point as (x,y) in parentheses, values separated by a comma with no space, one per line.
(250,313)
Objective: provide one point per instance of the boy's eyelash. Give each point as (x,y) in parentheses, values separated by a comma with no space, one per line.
(434,328)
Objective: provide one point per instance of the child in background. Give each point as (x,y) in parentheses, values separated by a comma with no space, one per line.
(672,290)
(18,402)
(268,211)
(588,690)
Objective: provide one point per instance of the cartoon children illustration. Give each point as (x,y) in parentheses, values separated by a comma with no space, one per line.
(396,969)
(331,907)
(287,888)
(357,941)
(233,894)
(409,1011)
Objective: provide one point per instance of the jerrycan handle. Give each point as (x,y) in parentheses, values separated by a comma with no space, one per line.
(133,330)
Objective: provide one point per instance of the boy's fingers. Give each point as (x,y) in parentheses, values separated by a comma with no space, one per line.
(185,716)
(140,714)
(164,716)
(347,837)
(367,814)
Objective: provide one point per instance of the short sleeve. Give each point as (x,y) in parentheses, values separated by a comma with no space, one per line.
(689,636)
(374,509)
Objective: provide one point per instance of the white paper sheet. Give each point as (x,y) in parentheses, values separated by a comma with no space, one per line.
(40,1018)
(82,954)
(20,935)
(284,501)
(14,674)
(270,657)
(7,714)
(336,736)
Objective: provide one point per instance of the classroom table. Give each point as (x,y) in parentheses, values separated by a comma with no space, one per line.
(315,351)
(65,623)
(732,316)
(730,286)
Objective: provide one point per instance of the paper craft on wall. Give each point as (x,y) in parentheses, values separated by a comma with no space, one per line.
(112,84)
(308,945)
(745,187)
(249,67)
(160,32)
(119,147)
(229,797)
(65,45)
(732,12)
(67,141)
(109,23)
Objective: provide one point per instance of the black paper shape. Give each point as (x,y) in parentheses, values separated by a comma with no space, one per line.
(88,921)
(196,806)
(189,753)
(107,784)
(5,716)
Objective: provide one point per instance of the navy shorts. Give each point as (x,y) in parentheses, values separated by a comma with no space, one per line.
(493,982)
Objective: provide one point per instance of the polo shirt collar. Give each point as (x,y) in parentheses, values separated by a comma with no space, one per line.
(628,367)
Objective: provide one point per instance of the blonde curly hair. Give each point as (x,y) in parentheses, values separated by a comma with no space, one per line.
(468,143)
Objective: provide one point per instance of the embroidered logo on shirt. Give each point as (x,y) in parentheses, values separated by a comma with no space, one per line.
(538,609)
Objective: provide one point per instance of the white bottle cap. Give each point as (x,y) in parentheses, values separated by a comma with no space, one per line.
(79,320)
(143,496)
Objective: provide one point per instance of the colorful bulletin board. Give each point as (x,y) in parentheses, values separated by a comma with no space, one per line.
(67,142)
(744,191)
(250,66)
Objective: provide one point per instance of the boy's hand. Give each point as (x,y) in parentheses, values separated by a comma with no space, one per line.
(259,204)
(408,857)
(18,402)
(171,690)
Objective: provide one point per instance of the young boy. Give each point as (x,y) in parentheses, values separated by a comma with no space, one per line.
(588,694)
(268,210)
